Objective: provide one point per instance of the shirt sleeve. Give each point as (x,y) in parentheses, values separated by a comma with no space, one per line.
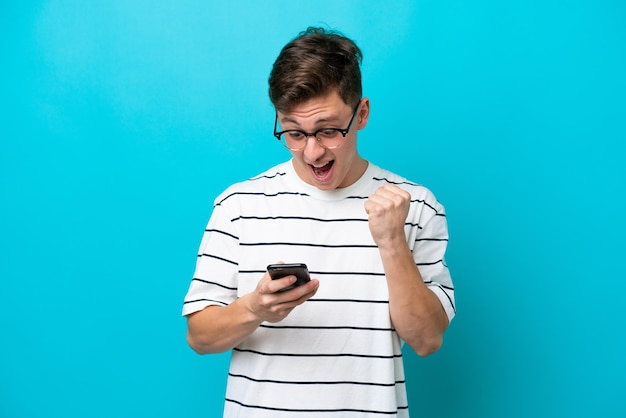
(216,275)
(429,251)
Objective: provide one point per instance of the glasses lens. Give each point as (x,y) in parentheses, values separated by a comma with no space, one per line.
(288,141)
(329,138)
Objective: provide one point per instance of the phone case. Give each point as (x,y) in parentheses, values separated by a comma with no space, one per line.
(299,270)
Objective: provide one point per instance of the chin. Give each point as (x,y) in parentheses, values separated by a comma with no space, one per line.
(325,186)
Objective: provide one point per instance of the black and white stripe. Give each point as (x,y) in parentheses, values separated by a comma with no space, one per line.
(338,352)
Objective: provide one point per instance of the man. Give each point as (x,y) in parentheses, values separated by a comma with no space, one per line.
(373,241)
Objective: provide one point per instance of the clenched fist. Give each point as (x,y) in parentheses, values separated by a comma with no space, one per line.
(387,210)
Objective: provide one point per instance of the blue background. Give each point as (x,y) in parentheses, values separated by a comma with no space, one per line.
(120,121)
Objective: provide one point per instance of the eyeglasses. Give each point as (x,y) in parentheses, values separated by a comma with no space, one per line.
(330,138)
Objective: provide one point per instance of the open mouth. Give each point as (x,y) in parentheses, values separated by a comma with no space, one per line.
(322,172)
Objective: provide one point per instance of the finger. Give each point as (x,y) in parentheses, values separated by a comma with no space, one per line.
(301,294)
(279,284)
(386,196)
(395,197)
(378,203)
(380,196)
(394,193)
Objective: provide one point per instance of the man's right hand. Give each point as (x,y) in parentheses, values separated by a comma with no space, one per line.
(268,303)
(216,329)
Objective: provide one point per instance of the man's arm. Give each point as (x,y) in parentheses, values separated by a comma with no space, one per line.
(217,329)
(416,312)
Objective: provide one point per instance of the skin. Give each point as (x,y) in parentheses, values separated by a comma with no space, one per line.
(416,312)
(327,111)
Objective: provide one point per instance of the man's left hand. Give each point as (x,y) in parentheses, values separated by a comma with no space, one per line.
(387,210)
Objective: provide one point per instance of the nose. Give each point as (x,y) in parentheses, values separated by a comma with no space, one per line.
(313,150)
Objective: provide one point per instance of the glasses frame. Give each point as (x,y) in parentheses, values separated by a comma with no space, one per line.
(343,132)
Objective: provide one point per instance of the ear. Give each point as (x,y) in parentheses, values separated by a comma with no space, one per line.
(364,113)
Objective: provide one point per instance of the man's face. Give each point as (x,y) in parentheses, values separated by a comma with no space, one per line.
(327,169)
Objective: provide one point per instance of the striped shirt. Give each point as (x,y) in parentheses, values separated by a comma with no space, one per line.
(337,354)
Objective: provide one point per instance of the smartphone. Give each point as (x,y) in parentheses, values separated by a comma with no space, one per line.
(299,270)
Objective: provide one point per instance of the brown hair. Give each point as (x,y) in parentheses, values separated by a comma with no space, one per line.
(314,64)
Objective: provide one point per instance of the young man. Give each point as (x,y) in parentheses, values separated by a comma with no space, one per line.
(374,243)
